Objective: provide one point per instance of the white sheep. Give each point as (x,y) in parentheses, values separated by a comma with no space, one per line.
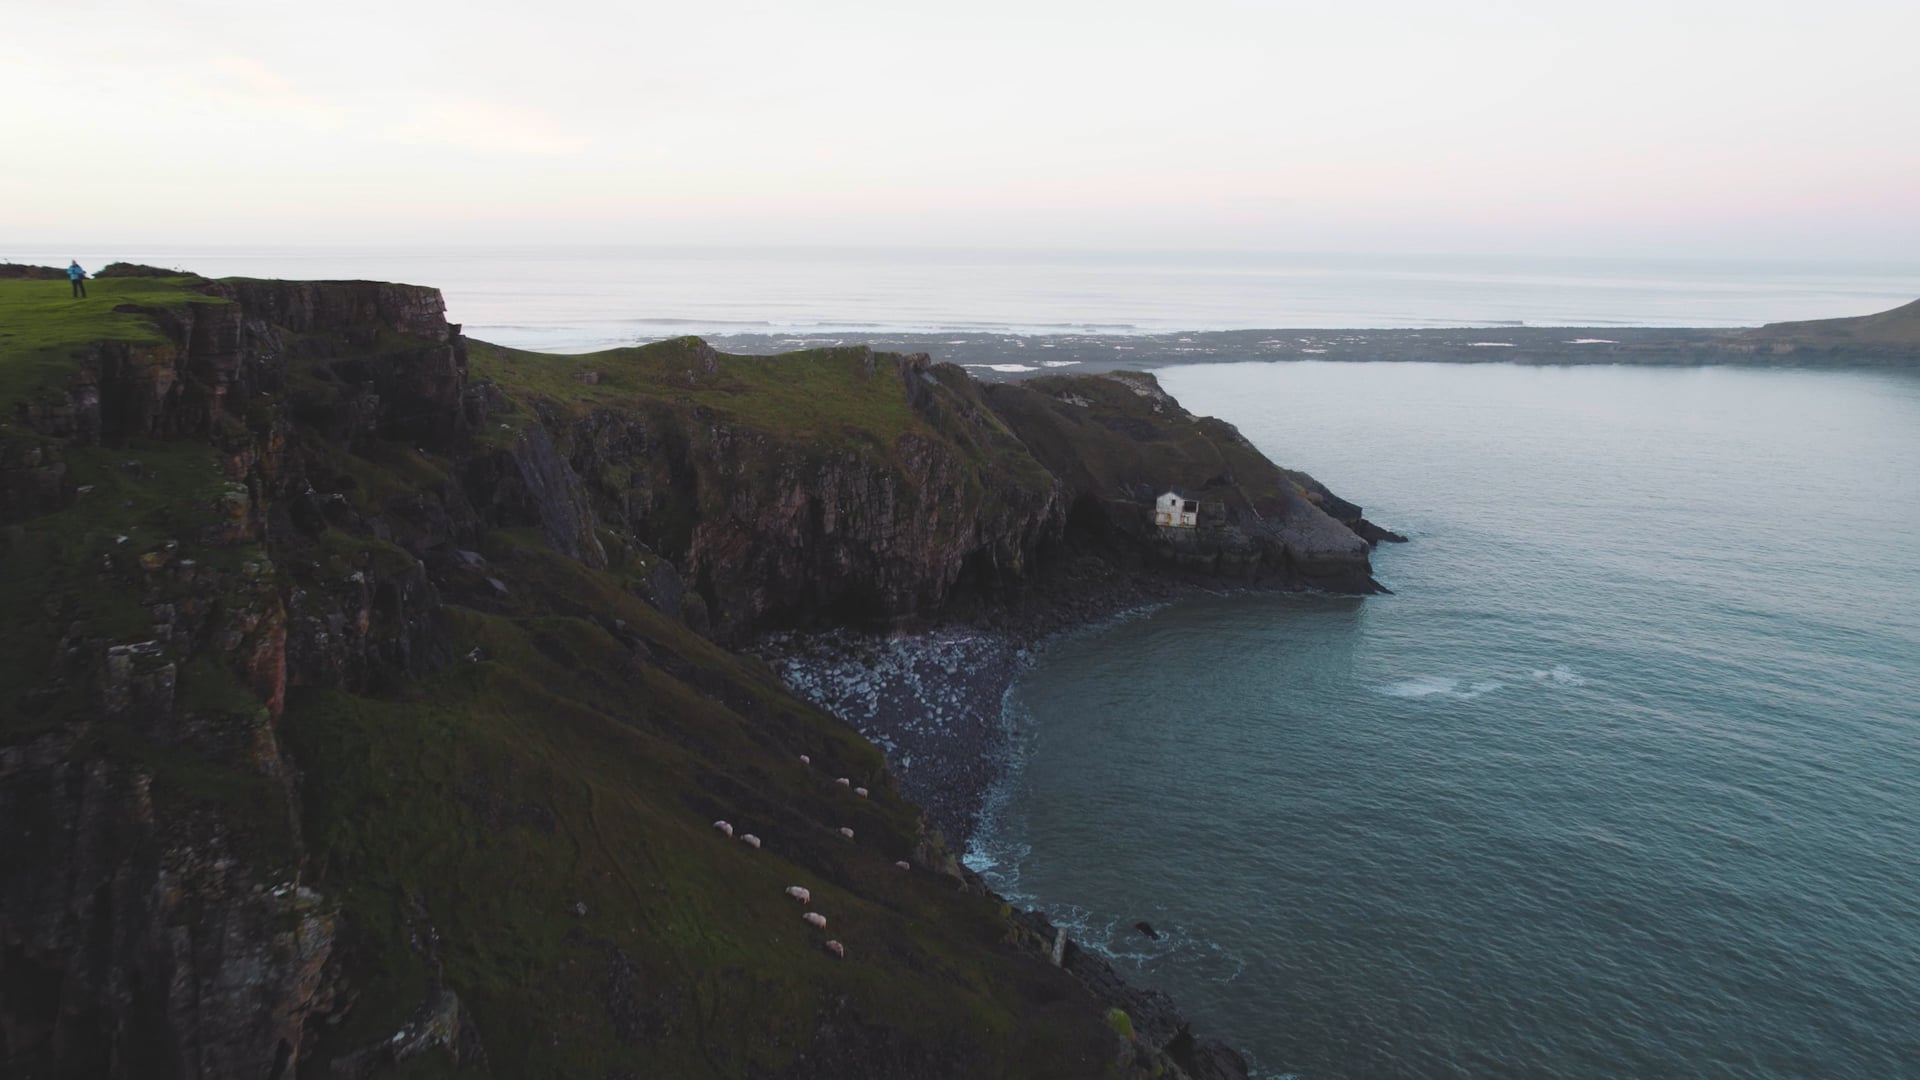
(800,893)
(837,949)
(860,791)
(846,832)
(816,920)
(904,864)
(749,839)
(844,782)
(724,827)
(805,760)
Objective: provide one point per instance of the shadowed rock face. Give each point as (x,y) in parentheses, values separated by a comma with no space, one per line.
(774,531)
(136,940)
(971,507)
(298,509)
(1117,441)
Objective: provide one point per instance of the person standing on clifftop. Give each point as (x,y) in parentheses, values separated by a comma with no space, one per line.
(79,279)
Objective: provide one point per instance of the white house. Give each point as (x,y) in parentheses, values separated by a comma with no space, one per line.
(1176,510)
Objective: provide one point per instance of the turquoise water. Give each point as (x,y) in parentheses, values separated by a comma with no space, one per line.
(1624,780)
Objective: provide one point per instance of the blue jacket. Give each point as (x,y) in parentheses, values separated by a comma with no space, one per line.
(74,273)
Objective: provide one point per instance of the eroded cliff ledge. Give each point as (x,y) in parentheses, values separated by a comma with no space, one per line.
(360,706)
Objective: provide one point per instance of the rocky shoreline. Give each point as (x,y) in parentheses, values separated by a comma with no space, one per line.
(933,699)
(931,696)
(930,700)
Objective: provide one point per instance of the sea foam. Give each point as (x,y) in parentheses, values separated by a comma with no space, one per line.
(1440,686)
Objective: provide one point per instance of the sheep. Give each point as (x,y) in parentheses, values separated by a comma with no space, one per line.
(815,920)
(837,949)
(904,864)
(724,827)
(846,832)
(800,893)
(844,782)
(805,760)
(860,791)
(750,840)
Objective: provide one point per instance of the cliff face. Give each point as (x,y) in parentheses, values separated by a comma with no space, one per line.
(154,920)
(833,523)
(1119,441)
(889,488)
(359,705)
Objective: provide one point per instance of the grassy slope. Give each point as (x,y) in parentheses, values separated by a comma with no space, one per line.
(562,769)
(79,568)
(1118,444)
(42,326)
(1897,327)
(556,772)
(823,397)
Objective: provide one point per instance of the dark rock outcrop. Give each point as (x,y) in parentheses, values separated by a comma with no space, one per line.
(135,939)
(240,549)
(974,501)
(1118,441)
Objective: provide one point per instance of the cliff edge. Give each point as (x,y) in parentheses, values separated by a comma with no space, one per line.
(361,711)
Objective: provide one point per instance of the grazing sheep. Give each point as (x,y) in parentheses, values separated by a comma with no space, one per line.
(816,920)
(749,839)
(844,782)
(846,832)
(860,791)
(800,893)
(805,760)
(724,827)
(904,864)
(837,949)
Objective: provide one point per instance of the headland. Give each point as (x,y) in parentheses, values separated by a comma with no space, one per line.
(381,687)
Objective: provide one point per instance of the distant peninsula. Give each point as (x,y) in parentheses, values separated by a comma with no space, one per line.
(1882,340)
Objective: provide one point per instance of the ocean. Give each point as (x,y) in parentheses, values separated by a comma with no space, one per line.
(1623,780)
(577,299)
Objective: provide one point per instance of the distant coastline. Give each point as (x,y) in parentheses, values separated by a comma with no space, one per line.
(1888,339)
(581,298)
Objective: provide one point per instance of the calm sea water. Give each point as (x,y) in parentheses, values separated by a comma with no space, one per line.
(582,298)
(1623,781)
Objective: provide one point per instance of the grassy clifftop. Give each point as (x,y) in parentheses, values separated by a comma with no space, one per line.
(42,326)
(359,719)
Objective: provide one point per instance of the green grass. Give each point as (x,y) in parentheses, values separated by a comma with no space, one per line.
(555,772)
(1898,327)
(1118,443)
(824,397)
(72,567)
(42,326)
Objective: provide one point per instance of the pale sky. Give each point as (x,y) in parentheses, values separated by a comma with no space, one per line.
(1685,127)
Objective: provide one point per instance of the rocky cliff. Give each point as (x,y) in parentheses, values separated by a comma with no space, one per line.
(359,709)
(850,486)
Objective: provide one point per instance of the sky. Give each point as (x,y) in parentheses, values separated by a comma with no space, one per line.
(1682,128)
